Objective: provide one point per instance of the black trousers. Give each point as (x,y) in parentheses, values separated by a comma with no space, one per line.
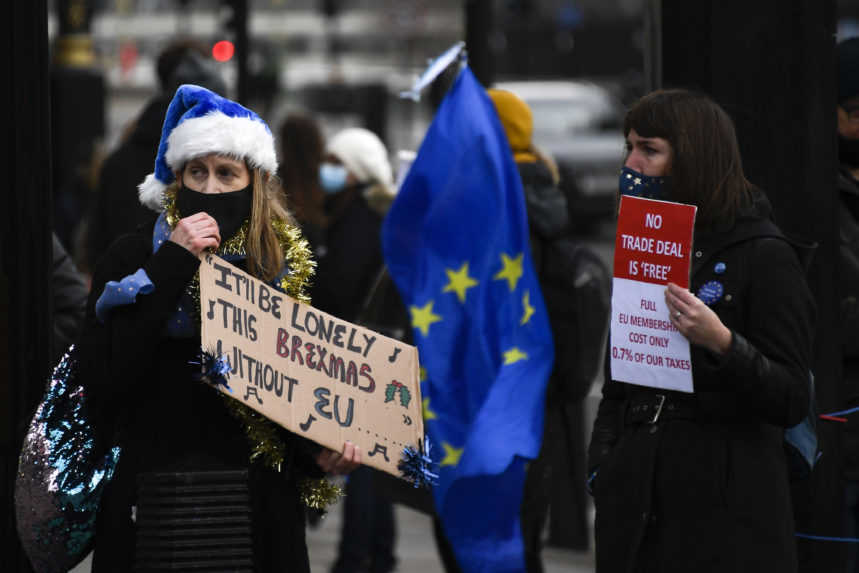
(368,535)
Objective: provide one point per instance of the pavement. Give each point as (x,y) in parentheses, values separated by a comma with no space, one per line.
(415,547)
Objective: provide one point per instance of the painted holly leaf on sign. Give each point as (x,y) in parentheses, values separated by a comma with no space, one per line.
(390,391)
(405,396)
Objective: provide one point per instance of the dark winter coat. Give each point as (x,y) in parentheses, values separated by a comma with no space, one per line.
(116,209)
(141,394)
(350,259)
(548,223)
(706,487)
(848,216)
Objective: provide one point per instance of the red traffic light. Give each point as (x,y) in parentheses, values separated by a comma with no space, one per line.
(223,51)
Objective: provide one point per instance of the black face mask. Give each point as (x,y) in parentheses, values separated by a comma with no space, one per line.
(230,210)
(848,152)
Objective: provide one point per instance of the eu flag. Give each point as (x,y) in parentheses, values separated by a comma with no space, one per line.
(456,244)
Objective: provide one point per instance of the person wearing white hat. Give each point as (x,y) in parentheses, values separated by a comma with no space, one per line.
(363,162)
(358,182)
(214,189)
(357,179)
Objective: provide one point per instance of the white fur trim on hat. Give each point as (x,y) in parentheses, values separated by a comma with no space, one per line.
(239,137)
(151,192)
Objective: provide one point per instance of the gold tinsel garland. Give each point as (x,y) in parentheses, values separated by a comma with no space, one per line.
(319,493)
(262,433)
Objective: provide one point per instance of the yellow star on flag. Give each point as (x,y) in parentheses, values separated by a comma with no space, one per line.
(511,270)
(451,455)
(423,317)
(514,355)
(422,373)
(459,282)
(529,310)
(428,414)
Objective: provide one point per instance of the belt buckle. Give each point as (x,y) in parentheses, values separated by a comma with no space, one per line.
(661,403)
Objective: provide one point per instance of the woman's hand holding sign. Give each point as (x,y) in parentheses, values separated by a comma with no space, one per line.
(696,321)
(339,463)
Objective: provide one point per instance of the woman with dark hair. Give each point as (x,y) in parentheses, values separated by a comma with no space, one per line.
(202,481)
(699,482)
(302,147)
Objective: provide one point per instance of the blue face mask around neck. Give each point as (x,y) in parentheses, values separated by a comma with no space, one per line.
(637,184)
(332,178)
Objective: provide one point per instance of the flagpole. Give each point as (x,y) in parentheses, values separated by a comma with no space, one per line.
(456,53)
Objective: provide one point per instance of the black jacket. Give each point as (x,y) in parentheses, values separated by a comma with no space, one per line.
(548,223)
(116,208)
(706,488)
(139,387)
(350,259)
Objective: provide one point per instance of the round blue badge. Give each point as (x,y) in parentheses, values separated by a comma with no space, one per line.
(720,268)
(710,292)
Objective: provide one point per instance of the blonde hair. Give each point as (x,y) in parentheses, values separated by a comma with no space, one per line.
(265,256)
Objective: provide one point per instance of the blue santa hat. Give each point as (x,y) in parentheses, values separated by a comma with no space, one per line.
(200,122)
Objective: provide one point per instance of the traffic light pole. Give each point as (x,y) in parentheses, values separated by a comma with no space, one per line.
(479,25)
(240,25)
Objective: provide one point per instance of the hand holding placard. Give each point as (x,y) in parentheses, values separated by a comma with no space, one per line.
(696,321)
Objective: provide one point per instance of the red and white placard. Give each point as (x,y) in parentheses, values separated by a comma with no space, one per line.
(652,248)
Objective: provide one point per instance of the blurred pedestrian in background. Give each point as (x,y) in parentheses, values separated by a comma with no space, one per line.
(699,481)
(69,295)
(301,148)
(214,189)
(357,180)
(115,208)
(848,215)
(553,479)
(575,290)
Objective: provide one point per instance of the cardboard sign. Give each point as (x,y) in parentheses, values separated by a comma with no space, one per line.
(652,248)
(312,373)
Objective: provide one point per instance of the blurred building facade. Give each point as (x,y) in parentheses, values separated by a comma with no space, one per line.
(296,45)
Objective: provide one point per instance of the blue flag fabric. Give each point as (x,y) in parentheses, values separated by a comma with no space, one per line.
(456,244)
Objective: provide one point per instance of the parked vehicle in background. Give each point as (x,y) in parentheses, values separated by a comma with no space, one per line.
(580,125)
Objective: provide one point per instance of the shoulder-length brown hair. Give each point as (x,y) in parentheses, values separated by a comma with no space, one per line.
(706,168)
(265,256)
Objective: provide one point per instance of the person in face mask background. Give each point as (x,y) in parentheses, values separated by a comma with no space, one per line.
(699,481)
(847,111)
(357,180)
(213,188)
(358,183)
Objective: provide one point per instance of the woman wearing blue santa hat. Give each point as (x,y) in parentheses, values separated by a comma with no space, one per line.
(202,481)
